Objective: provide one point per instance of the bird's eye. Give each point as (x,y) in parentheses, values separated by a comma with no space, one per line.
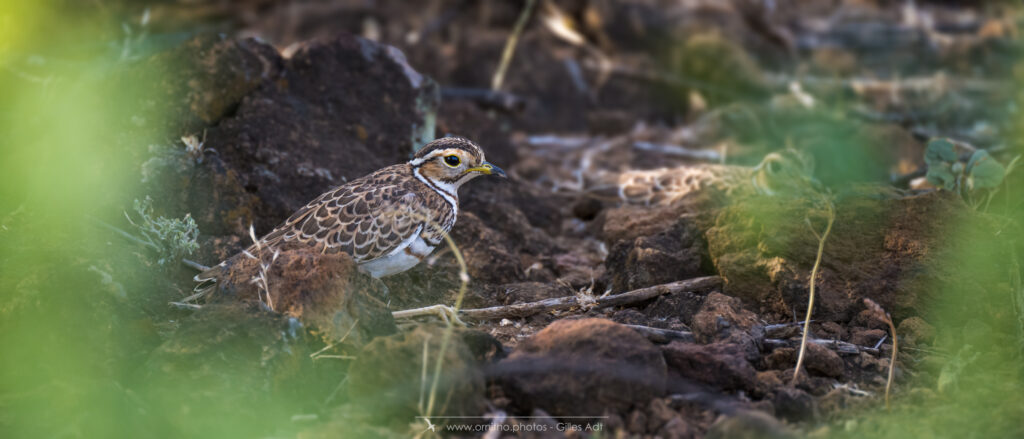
(452,160)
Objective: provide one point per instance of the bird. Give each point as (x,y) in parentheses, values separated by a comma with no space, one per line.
(781,172)
(387,221)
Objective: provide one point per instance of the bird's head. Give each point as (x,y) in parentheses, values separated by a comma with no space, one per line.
(452,161)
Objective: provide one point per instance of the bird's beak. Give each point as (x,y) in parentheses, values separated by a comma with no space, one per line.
(488,169)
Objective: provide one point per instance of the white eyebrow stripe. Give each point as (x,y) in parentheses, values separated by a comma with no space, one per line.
(433,154)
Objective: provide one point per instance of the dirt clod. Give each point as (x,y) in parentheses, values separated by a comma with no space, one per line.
(550,370)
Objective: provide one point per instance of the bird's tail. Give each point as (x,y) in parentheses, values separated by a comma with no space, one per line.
(206,282)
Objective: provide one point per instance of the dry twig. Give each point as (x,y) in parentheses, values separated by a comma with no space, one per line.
(546,305)
(840,347)
(663,336)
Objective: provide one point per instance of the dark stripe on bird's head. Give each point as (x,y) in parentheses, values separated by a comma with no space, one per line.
(449,143)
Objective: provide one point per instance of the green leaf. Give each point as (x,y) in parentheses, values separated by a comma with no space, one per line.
(941,175)
(939,151)
(983,171)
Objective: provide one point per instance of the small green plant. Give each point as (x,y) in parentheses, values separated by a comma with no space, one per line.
(977,181)
(172,238)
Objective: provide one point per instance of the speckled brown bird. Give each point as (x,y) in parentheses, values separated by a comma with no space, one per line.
(388,221)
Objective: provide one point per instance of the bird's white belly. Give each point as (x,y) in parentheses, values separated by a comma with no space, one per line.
(402,258)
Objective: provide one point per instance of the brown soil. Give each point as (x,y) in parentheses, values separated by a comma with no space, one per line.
(312,107)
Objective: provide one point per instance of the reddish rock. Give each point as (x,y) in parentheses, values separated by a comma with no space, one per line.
(325,291)
(867,337)
(870,319)
(723,318)
(831,330)
(582,368)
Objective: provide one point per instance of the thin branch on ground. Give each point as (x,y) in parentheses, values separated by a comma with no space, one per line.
(663,336)
(841,347)
(124,234)
(194,265)
(567,302)
(185,306)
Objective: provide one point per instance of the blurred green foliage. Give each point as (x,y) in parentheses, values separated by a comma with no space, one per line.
(173,238)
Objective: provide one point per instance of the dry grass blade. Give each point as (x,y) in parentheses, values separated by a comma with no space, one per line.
(510,46)
(831,211)
(446,338)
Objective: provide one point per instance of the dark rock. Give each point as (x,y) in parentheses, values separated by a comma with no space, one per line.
(723,318)
(794,404)
(677,428)
(723,366)
(586,209)
(627,223)
(831,330)
(278,132)
(914,330)
(326,291)
(823,361)
(749,424)
(720,316)
(207,78)
(485,348)
(818,360)
(630,316)
(671,254)
(682,306)
(385,379)
(339,109)
(581,368)
(867,337)
(637,422)
(660,414)
(781,358)
(870,319)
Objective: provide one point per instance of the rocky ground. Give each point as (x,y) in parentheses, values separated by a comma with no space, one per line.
(596,90)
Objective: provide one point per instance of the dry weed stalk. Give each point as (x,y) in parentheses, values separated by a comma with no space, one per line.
(877,309)
(260,279)
(446,338)
(510,46)
(831,210)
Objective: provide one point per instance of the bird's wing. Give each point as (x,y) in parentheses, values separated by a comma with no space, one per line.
(367,219)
